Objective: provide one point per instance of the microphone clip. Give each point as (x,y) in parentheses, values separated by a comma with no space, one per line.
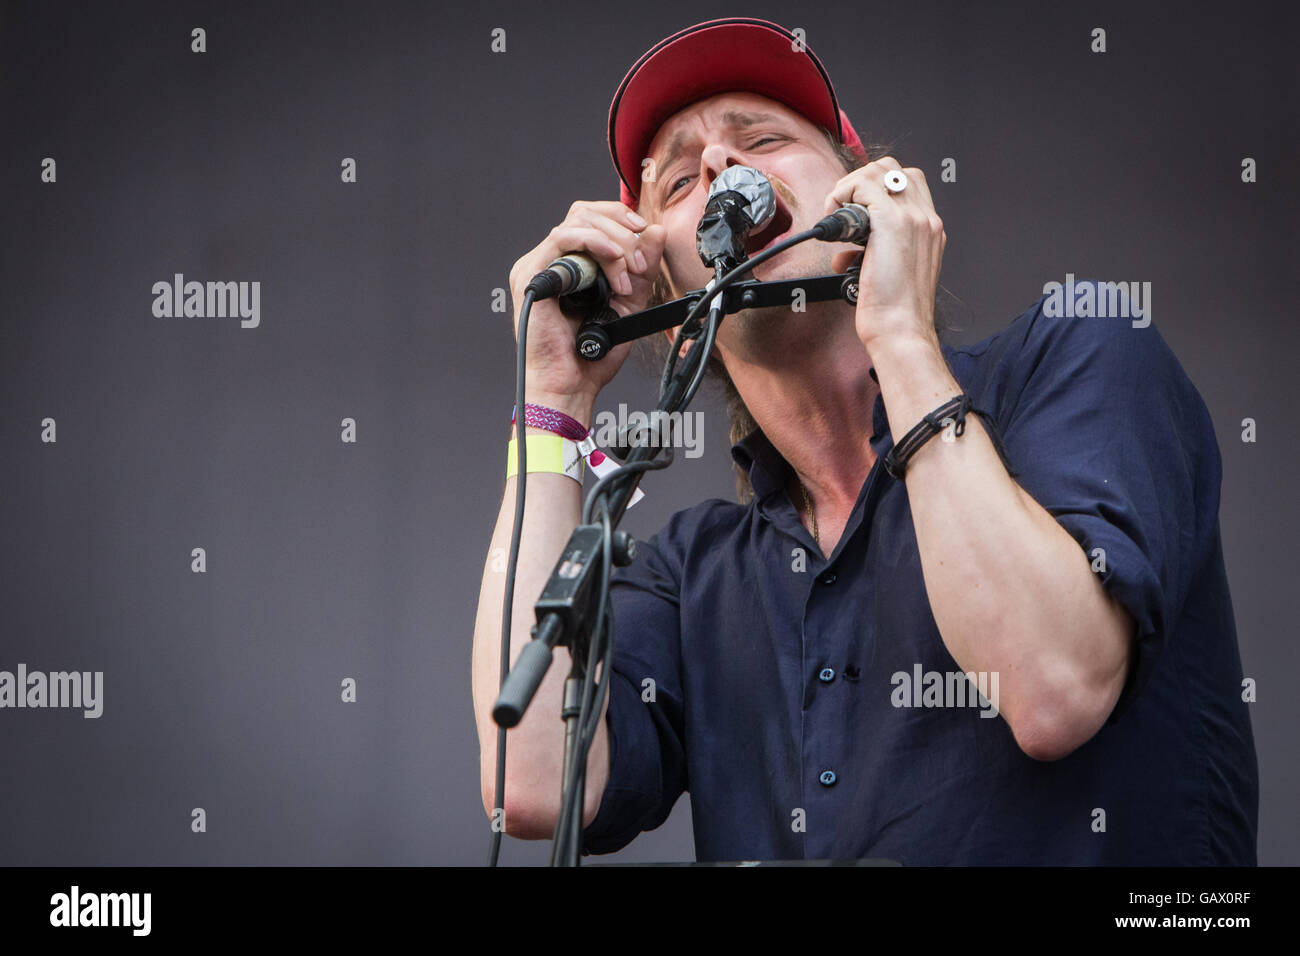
(589,304)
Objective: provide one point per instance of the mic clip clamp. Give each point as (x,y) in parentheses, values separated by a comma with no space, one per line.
(601,331)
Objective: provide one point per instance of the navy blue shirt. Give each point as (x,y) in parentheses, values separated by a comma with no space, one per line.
(787,691)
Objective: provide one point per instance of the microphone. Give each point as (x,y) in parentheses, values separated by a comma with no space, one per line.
(571,273)
(579,282)
(740,201)
(849,223)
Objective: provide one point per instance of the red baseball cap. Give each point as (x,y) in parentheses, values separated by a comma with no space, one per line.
(717,56)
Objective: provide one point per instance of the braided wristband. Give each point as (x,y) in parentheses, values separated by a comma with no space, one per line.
(551,419)
(896,461)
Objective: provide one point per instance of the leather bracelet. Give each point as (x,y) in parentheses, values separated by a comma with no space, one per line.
(954,410)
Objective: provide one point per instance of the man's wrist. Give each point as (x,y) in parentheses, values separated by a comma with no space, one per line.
(905,348)
(914,380)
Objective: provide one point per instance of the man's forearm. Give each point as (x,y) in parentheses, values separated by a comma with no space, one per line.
(1011,591)
(535,747)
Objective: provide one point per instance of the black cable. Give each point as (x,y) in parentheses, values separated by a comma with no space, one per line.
(622,471)
(588,730)
(516,532)
(588,723)
(720,285)
(705,347)
(671,364)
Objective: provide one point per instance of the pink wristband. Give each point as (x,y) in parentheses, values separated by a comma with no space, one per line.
(552,420)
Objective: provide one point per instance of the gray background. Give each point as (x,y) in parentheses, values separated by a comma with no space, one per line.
(328,560)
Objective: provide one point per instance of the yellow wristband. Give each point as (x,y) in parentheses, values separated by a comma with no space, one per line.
(546,453)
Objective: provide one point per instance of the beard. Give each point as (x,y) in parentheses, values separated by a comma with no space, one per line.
(776,334)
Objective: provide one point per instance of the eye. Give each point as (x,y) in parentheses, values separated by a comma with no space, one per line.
(767,139)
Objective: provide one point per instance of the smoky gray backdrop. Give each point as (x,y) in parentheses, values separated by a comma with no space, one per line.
(325,559)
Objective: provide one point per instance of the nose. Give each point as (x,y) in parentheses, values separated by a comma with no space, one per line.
(715,158)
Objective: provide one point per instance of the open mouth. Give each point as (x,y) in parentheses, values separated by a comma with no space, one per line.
(774,230)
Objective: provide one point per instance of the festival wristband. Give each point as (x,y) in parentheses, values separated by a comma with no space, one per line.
(601,465)
(546,453)
(553,420)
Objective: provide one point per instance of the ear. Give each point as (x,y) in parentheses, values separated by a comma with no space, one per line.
(685,347)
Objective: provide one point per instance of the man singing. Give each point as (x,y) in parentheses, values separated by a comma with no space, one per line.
(1002,639)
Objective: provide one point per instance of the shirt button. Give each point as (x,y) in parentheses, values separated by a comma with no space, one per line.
(827,778)
(827,675)
(827,578)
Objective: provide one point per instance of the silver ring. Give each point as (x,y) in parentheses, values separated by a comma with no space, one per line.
(895,181)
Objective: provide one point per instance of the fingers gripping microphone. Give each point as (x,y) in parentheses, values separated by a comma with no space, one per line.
(740,201)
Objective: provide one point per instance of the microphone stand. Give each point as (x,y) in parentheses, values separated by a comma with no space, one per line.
(572,605)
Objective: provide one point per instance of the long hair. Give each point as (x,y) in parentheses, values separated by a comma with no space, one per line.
(653,349)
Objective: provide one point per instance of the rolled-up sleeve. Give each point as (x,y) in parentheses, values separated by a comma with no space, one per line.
(644,720)
(1111,437)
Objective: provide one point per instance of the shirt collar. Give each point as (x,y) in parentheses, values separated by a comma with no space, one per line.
(768,472)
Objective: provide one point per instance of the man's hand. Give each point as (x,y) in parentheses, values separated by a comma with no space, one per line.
(629,254)
(900,268)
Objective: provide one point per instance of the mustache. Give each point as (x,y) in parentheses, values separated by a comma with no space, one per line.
(791,203)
